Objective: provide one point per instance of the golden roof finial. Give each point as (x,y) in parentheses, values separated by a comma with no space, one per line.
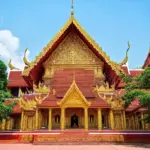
(12,67)
(72,8)
(126,58)
(27,63)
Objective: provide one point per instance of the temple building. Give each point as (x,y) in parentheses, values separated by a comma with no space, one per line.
(72,84)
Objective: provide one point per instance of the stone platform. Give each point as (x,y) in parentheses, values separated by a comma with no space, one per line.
(75,136)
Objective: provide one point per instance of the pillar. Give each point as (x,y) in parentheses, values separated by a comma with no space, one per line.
(50,119)
(124,118)
(62,118)
(99,115)
(22,120)
(133,122)
(8,127)
(136,122)
(37,119)
(3,124)
(86,118)
(112,119)
(142,116)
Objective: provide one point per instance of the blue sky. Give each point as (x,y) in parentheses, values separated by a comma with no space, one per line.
(111,23)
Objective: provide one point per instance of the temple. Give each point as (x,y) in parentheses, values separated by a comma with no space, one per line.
(72,84)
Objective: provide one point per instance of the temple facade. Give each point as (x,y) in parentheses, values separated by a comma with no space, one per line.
(72,84)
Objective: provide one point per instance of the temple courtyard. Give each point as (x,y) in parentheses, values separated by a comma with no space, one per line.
(95,146)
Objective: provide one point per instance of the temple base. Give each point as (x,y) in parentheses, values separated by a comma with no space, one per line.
(75,136)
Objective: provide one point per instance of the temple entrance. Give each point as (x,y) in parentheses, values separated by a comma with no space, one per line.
(74,118)
(74,121)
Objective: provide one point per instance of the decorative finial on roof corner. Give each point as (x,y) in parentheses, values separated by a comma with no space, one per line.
(126,58)
(149,48)
(72,8)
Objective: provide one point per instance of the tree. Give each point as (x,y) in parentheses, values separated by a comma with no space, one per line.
(138,87)
(5,109)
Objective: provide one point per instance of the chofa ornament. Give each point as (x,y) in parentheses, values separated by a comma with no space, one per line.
(31,104)
(41,88)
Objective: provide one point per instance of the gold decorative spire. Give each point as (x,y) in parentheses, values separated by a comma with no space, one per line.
(11,66)
(25,59)
(72,8)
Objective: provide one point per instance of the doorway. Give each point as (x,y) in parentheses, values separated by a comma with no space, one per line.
(74,118)
(74,121)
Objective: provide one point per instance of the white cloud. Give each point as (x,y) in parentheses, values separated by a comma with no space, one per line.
(9,49)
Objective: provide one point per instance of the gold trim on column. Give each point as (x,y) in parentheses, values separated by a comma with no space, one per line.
(62,118)
(37,119)
(50,119)
(112,119)
(99,119)
(86,118)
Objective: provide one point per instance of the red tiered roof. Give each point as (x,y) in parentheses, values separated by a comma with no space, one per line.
(15,79)
(84,80)
(62,81)
(136,72)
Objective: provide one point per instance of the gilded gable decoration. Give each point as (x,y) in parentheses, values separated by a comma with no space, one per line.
(73,53)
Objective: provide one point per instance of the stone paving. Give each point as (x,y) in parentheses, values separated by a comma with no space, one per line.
(74,147)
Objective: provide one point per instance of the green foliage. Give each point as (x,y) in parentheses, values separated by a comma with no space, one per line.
(137,88)
(3,76)
(144,79)
(5,110)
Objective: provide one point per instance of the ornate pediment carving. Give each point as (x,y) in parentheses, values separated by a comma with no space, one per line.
(74,98)
(73,51)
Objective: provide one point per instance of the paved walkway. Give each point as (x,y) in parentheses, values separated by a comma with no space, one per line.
(72,147)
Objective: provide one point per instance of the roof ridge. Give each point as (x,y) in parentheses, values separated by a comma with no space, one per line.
(71,20)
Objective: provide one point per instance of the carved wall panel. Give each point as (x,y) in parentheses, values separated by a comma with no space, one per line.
(118,120)
(28,122)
